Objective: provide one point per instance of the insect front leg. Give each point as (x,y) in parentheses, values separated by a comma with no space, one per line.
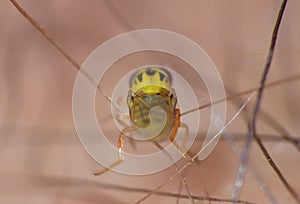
(123,119)
(120,152)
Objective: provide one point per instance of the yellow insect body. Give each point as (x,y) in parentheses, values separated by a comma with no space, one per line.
(151,87)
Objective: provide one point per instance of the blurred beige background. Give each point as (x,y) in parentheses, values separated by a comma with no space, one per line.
(42,160)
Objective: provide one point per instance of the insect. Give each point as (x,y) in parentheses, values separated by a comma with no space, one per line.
(266,165)
(150,87)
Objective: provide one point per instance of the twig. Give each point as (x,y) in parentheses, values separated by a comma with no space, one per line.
(252,124)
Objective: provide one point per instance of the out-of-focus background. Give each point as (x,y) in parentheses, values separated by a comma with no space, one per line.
(41,158)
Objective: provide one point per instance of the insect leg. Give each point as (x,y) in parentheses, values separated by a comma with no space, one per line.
(122,119)
(174,131)
(120,153)
(186,135)
(185,138)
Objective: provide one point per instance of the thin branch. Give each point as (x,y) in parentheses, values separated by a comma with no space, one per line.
(252,124)
(71,59)
(234,96)
(46,34)
(176,169)
(53,181)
